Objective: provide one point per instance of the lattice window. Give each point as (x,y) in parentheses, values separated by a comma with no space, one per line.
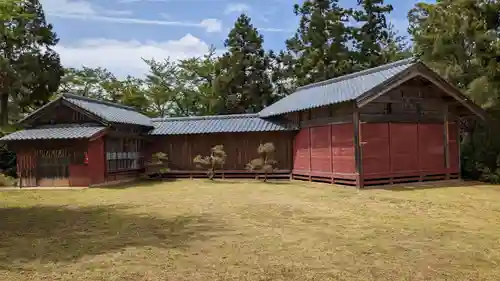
(124,154)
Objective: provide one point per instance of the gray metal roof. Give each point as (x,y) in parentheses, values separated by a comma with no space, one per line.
(336,90)
(216,124)
(108,111)
(69,132)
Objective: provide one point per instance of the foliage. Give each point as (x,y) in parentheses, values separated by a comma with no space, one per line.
(30,69)
(461,41)
(480,152)
(375,41)
(90,82)
(159,160)
(265,162)
(197,77)
(6,180)
(216,159)
(243,80)
(162,86)
(320,44)
(327,44)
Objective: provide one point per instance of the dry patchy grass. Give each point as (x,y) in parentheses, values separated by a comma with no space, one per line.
(230,230)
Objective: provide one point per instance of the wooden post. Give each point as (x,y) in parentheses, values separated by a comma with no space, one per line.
(330,140)
(357,148)
(446,141)
(294,135)
(391,176)
(310,152)
(459,145)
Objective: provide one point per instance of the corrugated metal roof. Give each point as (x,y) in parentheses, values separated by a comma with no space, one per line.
(216,124)
(70,132)
(336,90)
(108,111)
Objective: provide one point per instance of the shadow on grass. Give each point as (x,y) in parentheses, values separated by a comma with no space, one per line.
(246,181)
(52,234)
(137,183)
(413,186)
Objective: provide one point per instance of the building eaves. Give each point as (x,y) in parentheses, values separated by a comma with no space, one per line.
(217,124)
(340,89)
(111,112)
(57,132)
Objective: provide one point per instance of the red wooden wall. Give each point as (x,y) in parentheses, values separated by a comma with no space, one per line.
(325,151)
(97,164)
(26,165)
(79,175)
(407,149)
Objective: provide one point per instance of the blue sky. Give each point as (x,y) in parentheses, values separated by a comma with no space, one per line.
(116,34)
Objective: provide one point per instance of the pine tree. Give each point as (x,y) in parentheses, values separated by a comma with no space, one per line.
(216,159)
(243,79)
(265,163)
(30,70)
(375,41)
(320,45)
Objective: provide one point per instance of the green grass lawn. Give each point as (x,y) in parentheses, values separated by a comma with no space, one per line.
(230,230)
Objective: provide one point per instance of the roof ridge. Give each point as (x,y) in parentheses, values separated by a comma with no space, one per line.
(205,117)
(359,73)
(108,103)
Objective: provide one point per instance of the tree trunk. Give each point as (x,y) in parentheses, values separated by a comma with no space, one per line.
(4,109)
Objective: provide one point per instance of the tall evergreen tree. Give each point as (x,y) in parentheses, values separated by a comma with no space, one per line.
(30,70)
(243,78)
(375,41)
(320,46)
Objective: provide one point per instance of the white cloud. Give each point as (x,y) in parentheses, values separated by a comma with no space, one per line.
(134,1)
(125,57)
(84,10)
(211,25)
(68,7)
(236,8)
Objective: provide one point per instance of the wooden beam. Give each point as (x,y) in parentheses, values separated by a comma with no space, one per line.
(358,153)
(400,118)
(370,96)
(85,112)
(451,90)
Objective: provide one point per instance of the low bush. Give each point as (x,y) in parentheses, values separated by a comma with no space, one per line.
(7,181)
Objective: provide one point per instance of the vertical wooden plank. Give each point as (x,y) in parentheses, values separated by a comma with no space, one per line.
(389,151)
(419,165)
(358,148)
(459,148)
(446,141)
(309,148)
(330,140)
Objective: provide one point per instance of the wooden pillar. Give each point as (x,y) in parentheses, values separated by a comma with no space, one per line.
(446,135)
(357,147)
(459,148)
(330,140)
(310,152)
